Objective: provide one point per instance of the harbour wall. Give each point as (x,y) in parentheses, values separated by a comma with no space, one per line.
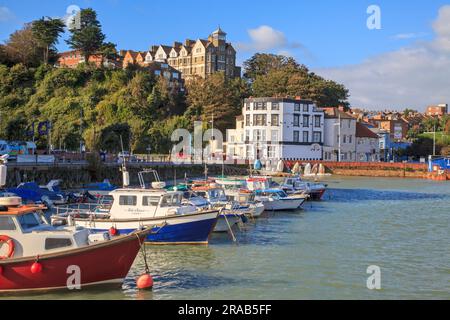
(380,169)
(75,176)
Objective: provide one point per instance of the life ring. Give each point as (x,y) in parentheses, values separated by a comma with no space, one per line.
(10,244)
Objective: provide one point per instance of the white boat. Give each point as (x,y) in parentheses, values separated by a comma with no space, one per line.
(278,200)
(273,198)
(235,190)
(162,210)
(295,185)
(231,213)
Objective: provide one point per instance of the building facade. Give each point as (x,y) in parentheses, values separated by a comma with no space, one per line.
(277,128)
(155,67)
(71,59)
(200,57)
(367,144)
(340,130)
(439,110)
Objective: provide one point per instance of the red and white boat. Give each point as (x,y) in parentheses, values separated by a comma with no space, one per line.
(36,256)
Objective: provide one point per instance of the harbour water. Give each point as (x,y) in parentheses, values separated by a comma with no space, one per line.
(322,252)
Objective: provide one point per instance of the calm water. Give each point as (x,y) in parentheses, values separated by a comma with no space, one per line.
(322,252)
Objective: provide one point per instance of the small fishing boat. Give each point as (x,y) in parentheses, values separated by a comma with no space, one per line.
(273,198)
(295,185)
(231,213)
(246,198)
(99,189)
(133,208)
(37,256)
(278,200)
(235,190)
(32,192)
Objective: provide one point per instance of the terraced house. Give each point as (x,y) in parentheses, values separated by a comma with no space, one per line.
(200,57)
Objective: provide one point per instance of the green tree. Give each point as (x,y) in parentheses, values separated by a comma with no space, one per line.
(22,47)
(262,63)
(215,97)
(278,76)
(46,31)
(110,137)
(16,128)
(87,36)
(108,51)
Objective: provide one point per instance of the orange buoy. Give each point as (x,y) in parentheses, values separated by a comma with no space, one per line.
(145,281)
(36,267)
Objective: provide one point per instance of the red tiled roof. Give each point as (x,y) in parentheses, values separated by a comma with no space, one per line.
(363,132)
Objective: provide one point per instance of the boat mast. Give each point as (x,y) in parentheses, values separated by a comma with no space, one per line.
(125,173)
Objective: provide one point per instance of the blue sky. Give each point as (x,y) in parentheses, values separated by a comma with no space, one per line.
(328,36)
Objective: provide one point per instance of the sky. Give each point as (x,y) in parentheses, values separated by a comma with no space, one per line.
(403,64)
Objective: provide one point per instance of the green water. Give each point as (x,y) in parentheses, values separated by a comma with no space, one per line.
(322,252)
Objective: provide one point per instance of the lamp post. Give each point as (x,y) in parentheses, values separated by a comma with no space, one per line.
(434,139)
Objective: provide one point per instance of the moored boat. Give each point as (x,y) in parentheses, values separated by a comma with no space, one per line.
(162,210)
(99,189)
(278,200)
(231,213)
(36,256)
(295,185)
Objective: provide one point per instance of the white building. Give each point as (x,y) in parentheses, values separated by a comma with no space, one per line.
(277,128)
(367,144)
(340,129)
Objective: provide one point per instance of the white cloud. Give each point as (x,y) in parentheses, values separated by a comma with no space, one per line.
(5,14)
(407,36)
(266,38)
(414,76)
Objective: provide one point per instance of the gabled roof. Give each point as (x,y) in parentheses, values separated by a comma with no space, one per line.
(334,113)
(132,53)
(204,42)
(363,132)
(166,49)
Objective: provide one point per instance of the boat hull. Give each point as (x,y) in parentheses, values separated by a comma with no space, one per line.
(258,210)
(283,204)
(103,263)
(316,195)
(222,225)
(182,229)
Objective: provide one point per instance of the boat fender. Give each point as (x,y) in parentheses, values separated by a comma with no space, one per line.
(36,267)
(113,231)
(10,243)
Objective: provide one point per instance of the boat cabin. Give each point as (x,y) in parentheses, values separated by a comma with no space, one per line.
(212,194)
(30,232)
(259,183)
(272,193)
(147,203)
